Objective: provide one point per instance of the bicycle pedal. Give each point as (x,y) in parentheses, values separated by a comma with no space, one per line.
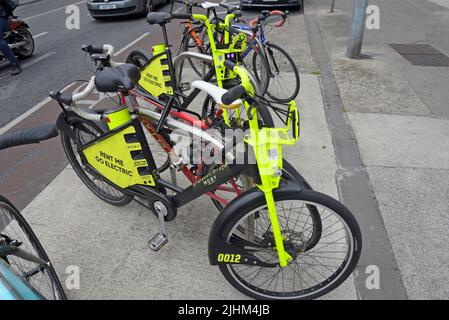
(184,86)
(157,242)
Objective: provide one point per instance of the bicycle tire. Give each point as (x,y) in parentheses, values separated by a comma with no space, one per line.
(5,204)
(187,47)
(77,123)
(138,57)
(262,83)
(289,65)
(318,199)
(289,173)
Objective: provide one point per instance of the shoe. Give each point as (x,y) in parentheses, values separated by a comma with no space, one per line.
(16,69)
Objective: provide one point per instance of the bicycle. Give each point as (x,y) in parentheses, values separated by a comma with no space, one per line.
(193,36)
(25,270)
(161,81)
(76,131)
(270,60)
(253,230)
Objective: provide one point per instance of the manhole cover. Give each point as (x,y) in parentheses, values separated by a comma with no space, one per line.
(422,55)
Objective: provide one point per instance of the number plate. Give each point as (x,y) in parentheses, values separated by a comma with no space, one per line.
(107,6)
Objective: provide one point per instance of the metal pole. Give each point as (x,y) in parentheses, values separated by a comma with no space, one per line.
(357,29)
(332,6)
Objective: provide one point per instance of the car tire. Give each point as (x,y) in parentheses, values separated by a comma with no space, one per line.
(147,7)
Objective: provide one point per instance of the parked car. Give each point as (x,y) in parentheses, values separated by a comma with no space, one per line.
(114,8)
(268,4)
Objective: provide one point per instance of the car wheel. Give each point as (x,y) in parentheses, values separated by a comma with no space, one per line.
(147,7)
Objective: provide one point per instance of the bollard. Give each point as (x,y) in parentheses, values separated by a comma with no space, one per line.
(357,29)
(332,6)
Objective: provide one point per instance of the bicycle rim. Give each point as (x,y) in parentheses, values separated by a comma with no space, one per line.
(312,273)
(45,280)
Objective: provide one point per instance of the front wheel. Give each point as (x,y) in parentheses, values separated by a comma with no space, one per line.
(311,273)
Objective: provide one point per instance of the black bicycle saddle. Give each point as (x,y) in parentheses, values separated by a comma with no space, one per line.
(158,17)
(123,77)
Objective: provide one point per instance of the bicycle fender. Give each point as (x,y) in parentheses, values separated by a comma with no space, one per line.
(217,238)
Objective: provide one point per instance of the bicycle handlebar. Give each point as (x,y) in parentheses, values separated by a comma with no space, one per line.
(98,53)
(254,22)
(106,48)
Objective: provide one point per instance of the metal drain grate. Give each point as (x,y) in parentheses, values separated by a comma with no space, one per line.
(422,55)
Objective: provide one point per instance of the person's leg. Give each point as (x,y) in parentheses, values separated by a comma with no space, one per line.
(6,50)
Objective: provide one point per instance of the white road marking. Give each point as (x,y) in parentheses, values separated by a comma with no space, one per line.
(40,35)
(24,115)
(54,10)
(45,56)
(131,44)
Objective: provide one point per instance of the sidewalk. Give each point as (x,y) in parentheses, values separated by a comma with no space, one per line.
(109,244)
(399,114)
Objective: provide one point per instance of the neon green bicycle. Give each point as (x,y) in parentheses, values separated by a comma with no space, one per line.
(266,242)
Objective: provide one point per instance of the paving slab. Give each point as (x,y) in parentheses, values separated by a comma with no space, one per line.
(375,85)
(401,141)
(414,206)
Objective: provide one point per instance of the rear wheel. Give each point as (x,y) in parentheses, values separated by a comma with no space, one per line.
(86,131)
(198,66)
(284,82)
(139,58)
(311,273)
(259,68)
(14,227)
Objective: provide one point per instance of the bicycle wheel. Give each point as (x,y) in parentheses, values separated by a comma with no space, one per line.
(260,69)
(289,173)
(311,273)
(43,279)
(198,66)
(139,58)
(86,131)
(284,82)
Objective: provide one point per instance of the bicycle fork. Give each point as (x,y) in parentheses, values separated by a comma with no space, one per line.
(269,160)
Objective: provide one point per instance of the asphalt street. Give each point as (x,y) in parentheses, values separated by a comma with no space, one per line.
(58,58)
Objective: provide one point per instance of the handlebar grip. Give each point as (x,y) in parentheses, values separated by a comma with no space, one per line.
(233,94)
(229,64)
(182,16)
(60,98)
